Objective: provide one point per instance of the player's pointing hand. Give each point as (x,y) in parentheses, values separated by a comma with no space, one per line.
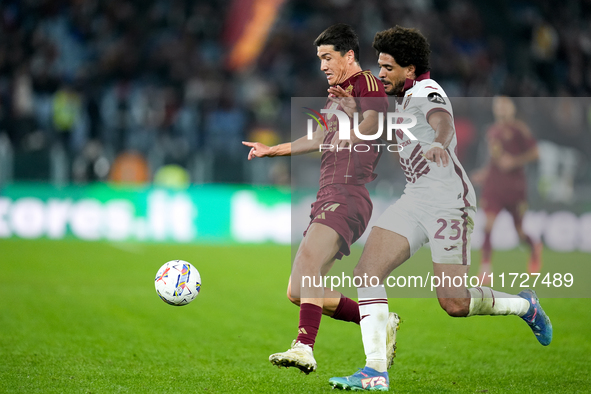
(257,149)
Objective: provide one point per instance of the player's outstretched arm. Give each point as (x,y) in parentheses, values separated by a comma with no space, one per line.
(261,150)
(300,146)
(443,125)
(304,145)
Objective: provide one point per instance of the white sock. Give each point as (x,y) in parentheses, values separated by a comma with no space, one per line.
(373,309)
(486,301)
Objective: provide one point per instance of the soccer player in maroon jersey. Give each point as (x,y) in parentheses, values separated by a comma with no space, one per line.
(511,147)
(343,207)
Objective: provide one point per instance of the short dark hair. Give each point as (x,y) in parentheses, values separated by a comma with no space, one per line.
(342,37)
(406,45)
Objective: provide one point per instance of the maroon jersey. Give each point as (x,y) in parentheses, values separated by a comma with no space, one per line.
(351,167)
(515,139)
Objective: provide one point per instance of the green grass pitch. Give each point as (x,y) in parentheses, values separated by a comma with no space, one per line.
(81,317)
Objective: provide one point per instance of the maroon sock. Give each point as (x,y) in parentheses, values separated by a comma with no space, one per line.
(310,316)
(347,310)
(486,248)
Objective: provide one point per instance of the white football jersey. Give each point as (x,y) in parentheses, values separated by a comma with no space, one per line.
(446,187)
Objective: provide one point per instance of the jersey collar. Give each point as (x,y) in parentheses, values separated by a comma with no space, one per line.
(348,80)
(411,82)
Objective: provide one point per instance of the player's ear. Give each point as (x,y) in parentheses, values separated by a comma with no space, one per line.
(410,72)
(350,56)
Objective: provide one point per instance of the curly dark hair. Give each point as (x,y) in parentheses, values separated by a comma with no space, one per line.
(342,37)
(406,45)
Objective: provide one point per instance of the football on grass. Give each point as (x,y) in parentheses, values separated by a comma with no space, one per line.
(177,282)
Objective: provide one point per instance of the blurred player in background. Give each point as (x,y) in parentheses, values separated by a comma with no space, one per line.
(511,147)
(343,206)
(438,206)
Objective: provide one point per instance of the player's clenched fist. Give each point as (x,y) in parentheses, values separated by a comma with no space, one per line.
(257,149)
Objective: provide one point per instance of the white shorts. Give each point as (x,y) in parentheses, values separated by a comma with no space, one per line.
(448,230)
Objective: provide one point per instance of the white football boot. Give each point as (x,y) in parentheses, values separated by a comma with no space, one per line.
(391,328)
(299,356)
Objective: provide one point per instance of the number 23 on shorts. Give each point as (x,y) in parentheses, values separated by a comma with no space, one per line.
(455,225)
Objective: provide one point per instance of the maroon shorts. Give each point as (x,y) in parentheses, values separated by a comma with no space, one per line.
(508,192)
(513,200)
(344,208)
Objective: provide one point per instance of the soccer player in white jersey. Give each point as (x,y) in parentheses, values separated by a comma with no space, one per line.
(438,206)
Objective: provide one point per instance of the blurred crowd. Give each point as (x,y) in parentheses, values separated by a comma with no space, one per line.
(118,89)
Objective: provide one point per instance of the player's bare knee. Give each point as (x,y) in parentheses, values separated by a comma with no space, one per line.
(294,300)
(292,297)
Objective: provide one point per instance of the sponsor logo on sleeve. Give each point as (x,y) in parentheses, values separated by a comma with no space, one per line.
(436,98)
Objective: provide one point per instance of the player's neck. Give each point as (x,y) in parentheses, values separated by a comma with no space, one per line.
(354,69)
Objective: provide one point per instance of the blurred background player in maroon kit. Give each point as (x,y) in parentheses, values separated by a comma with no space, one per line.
(343,207)
(511,147)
